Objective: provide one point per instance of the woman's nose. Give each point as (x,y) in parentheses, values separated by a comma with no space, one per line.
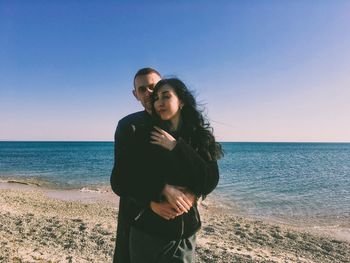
(160,103)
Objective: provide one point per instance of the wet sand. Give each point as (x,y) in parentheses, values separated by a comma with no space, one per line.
(42,225)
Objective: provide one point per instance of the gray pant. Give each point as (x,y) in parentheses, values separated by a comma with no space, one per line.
(145,248)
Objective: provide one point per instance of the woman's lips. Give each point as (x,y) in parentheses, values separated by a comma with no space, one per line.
(161,111)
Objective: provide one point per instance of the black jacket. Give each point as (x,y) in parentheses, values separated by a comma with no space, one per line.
(142,169)
(122,140)
(127,207)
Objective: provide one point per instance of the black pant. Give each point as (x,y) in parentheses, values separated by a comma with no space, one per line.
(145,248)
(121,251)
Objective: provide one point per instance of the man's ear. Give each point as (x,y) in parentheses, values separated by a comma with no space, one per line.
(134,93)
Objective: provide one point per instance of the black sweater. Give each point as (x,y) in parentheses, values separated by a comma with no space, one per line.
(142,169)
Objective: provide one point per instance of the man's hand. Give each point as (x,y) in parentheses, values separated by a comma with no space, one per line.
(178,199)
(164,209)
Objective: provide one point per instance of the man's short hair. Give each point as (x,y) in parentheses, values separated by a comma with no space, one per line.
(145,71)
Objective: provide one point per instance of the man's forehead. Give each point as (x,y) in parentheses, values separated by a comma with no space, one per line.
(146,80)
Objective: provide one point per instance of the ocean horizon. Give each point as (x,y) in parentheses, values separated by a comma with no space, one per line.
(290,182)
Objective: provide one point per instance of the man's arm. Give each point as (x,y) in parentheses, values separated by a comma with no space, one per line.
(131,166)
(121,137)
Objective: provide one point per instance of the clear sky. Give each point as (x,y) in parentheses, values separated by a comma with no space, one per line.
(265,70)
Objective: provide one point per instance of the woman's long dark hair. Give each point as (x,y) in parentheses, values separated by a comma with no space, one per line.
(195,128)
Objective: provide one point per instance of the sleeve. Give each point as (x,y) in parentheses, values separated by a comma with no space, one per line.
(121,137)
(131,175)
(204,172)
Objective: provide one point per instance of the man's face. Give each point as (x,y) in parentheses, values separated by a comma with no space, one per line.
(144,85)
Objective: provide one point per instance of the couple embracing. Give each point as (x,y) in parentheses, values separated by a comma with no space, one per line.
(165,160)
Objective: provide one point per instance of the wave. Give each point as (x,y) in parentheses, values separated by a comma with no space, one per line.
(89,190)
(21,182)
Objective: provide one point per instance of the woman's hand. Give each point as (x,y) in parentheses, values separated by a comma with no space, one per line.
(177,199)
(164,209)
(162,138)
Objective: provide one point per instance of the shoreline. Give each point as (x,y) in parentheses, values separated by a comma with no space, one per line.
(80,226)
(327,229)
(105,194)
(85,195)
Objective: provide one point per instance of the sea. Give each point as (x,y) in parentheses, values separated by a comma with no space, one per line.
(294,183)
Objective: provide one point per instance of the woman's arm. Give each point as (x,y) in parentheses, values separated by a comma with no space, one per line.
(204,172)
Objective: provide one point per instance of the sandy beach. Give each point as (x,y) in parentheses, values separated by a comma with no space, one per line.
(41,225)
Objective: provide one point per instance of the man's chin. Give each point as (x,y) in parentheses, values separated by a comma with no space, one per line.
(148,108)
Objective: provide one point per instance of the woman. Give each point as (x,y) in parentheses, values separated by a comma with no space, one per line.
(179,150)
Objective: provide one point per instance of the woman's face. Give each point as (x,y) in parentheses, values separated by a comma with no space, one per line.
(167,104)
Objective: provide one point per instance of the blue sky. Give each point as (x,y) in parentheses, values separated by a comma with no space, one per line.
(265,70)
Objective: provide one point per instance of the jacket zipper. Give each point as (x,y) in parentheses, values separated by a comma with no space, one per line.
(196,214)
(139,215)
(182,226)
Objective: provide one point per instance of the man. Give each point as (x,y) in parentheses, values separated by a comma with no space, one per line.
(144,81)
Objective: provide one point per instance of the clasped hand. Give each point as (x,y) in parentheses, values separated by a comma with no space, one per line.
(179,201)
